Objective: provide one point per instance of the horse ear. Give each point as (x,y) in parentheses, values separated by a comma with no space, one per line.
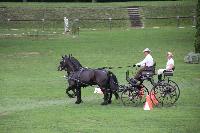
(63,57)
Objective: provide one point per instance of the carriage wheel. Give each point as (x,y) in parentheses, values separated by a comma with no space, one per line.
(132,96)
(176,89)
(164,93)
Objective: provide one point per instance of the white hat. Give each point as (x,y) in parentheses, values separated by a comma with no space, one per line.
(146,50)
(170,54)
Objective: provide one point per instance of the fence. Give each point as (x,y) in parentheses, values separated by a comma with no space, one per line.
(109,23)
(177,19)
(55,24)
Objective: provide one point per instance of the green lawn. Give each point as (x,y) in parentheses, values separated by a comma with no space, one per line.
(32,91)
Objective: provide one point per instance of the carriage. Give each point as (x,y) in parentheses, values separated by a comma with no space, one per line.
(164,92)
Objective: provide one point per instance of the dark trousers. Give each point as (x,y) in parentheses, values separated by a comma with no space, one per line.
(139,72)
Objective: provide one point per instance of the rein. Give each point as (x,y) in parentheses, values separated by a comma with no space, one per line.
(118,67)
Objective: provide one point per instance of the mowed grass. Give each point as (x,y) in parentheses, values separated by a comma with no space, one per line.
(32,91)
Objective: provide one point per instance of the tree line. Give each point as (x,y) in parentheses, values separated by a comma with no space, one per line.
(197,40)
(77,0)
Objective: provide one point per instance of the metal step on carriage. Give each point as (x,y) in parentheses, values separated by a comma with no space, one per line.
(165,92)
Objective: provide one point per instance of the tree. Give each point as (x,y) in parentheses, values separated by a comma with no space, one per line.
(197,40)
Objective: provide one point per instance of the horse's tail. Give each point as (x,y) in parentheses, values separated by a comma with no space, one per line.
(113,82)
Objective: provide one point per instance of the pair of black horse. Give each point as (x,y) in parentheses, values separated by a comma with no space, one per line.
(79,77)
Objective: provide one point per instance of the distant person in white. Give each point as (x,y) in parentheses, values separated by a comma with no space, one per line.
(169,65)
(146,64)
(66,24)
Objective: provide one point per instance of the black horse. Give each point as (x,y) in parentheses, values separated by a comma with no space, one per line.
(79,76)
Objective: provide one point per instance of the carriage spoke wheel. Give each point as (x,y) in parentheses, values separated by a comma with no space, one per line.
(176,89)
(133,96)
(165,94)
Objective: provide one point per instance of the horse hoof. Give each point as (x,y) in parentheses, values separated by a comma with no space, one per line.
(104,103)
(77,102)
(71,96)
(109,102)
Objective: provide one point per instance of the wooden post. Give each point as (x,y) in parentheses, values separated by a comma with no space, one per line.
(178,21)
(43,24)
(8,23)
(194,21)
(110,23)
(77,26)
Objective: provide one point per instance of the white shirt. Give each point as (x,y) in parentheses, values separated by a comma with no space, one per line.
(169,62)
(148,61)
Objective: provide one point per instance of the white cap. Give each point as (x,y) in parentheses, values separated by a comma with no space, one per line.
(170,54)
(146,50)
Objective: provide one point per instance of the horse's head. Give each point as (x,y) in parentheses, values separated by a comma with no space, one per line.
(65,64)
(62,64)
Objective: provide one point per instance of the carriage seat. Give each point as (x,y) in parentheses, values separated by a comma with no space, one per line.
(147,73)
(169,73)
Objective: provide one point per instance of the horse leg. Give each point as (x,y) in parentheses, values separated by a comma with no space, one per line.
(110,98)
(74,92)
(116,95)
(67,92)
(105,102)
(78,94)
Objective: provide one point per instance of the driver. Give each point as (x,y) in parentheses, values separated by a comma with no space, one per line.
(169,65)
(146,64)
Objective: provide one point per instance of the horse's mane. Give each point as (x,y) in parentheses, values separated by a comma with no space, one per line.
(75,62)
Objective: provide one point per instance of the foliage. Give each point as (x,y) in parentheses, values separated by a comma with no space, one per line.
(197,41)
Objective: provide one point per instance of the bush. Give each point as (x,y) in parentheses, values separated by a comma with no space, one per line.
(197,41)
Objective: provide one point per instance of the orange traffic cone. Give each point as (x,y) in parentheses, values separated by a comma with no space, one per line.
(153,98)
(148,104)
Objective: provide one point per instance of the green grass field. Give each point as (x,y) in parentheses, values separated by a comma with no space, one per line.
(32,91)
